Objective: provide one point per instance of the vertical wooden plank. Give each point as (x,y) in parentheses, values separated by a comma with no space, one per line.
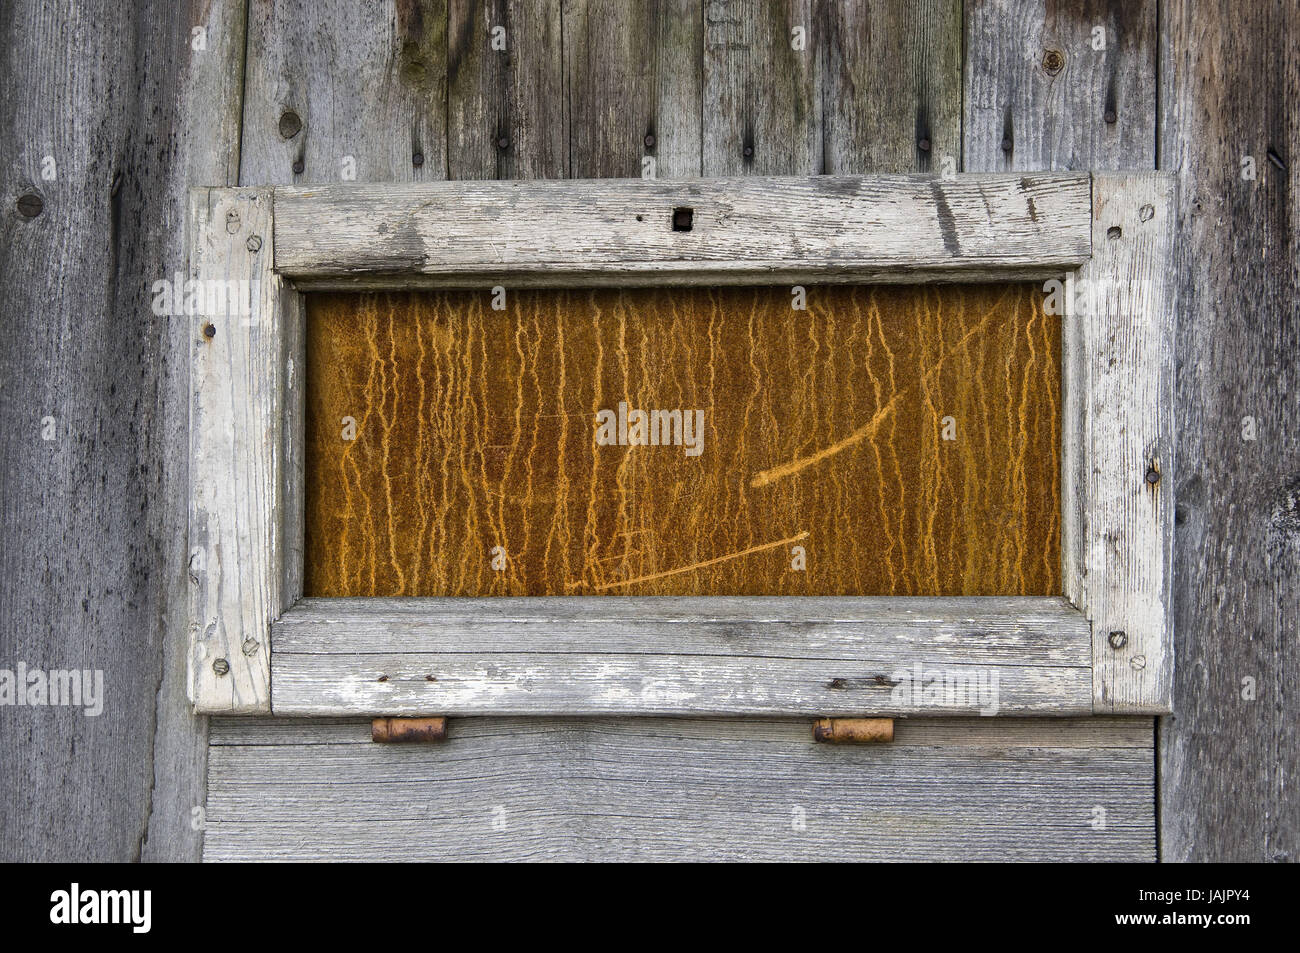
(337,89)
(1040,95)
(1123,352)
(129,105)
(633,78)
(893,87)
(507,113)
(207,120)
(238,375)
(762,96)
(1230,755)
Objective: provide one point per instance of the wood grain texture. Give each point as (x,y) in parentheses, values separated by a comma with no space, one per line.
(629,64)
(93,562)
(744,231)
(1118,535)
(240,373)
(477,430)
(507,109)
(762,109)
(892,86)
(340,89)
(1086,109)
(683,656)
(683,789)
(1230,757)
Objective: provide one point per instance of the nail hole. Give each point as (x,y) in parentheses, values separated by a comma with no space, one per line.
(1109,116)
(503,143)
(683,219)
(383,678)
(1114,232)
(417,160)
(298,166)
(1007,144)
(640,218)
(923,145)
(649,141)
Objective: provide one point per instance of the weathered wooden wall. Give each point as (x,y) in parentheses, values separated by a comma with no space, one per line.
(93,564)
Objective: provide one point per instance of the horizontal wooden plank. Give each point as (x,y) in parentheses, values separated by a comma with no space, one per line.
(984,734)
(669,788)
(825,228)
(662,656)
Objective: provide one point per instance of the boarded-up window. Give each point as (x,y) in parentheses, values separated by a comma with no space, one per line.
(887,440)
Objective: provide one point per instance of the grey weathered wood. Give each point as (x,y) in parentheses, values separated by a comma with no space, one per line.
(366,82)
(92,559)
(240,374)
(668,788)
(516,95)
(893,86)
(1117,534)
(1230,756)
(985,733)
(762,110)
(1023,113)
(627,64)
(707,655)
(899,228)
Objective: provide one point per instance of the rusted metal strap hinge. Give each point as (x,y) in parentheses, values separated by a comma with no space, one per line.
(393,730)
(860,731)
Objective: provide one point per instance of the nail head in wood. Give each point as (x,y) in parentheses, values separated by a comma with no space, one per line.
(402,730)
(858,731)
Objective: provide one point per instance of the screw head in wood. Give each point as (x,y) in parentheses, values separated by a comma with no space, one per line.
(923,145)
(254,243)
(221,666)
(30,205)
(298,166)
(417,160)
(649,140)
(503,143)
(1118,640)
(1109,116)
(1153,475)
(209,331)
(1007,144)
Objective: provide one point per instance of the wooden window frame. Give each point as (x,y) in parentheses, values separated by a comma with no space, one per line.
(255,645)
